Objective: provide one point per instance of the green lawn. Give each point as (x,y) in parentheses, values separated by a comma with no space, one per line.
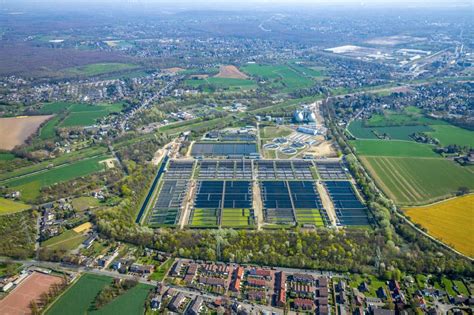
(68,240)
(449,134)
(161,271)
(8,206)
(99,68)
(410,181)
(274,132)
(461,287)
(84,203)
(393,148)
(373,282)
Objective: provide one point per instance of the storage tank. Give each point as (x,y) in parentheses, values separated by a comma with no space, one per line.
(298,116)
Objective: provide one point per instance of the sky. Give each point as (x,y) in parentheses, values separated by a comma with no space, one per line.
(400,3)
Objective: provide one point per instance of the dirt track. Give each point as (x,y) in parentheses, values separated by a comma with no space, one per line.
(230,72)
(15,130)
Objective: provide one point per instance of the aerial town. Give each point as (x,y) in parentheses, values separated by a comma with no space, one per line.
(178,158)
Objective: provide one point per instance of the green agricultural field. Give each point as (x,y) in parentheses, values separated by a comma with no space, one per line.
(7,156)
(78,299)
(287,77)
(61,160)
(309,71)
(8,206)
(358,130)
(55,107)
(392,148)
(85,114)
(408,118)
(99,68)
(131,302)
(449,134)
(68,240)
(29,185)
(413,180)
(224,83)
(48,130)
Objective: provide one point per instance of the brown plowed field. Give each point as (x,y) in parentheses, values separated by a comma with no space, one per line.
(230,72)
(17,302)
(15,130)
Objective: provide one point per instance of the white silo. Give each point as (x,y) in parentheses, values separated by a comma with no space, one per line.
(298,116)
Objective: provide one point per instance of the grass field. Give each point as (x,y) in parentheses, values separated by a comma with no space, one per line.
(99,68)
(373,282)
(409,117)
(85,115)
(449,134)
(84,203)
(48,130)
(229,83)
(61,160)
(161,271)
(357,129)
(418,180)
(55,107)
(131,302)
(287,77)
(270,132)
(79,298)
(9,206)
(6,156)
(68,240)
(29,185)
(451,221)
(393,148)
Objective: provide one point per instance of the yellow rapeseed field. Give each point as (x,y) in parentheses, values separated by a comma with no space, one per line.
(451,221)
